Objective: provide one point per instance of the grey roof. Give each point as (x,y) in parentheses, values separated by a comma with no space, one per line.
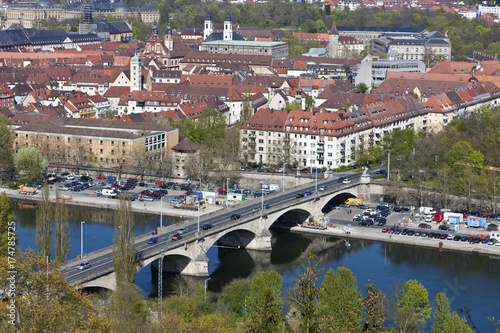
(216,36)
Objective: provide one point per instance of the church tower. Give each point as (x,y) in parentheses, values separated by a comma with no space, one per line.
(135,73)
(228,28)
(169,38)
(209,27)
(88,24)
(333,42)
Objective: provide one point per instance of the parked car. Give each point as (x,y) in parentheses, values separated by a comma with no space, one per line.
(146,198)
(424,226)
(176,237)
(235,216)
(444,227)
(366,222)
(153,240)
(356,218)
(143,184)
(83,265)
(207,226)
(397,209)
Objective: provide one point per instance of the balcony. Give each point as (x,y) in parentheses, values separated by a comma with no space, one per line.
(321,143)
(320,149)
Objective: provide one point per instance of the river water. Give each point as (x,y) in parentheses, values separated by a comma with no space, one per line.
(468,279)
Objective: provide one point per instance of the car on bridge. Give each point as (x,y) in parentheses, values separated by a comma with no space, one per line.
(176,237)
(83,265)
(299,195)
(235,216)
(182,231)
(207,226)
(308,193)
(153,240)
(322,188)
(346,181)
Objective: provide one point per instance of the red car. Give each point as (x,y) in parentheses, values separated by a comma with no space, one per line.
(159,182)
(176,237)
(101,177)
(424,226)
(385,230)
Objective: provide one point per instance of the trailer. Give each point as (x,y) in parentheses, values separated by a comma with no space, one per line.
(476,221)
(27,190)
(355,202)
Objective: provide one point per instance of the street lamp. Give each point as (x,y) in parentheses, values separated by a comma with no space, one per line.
(388,164)
(206,285)
(81,239)
(227,192)
(161,213)
(198,216)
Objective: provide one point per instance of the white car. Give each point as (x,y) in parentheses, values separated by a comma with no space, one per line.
(322,188)
(346,181)
(428,218)
(83,265)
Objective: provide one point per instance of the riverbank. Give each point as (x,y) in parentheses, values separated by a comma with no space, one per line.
(375,234)
(91,200)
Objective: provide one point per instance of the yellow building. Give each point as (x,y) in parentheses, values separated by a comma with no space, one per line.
(99,144)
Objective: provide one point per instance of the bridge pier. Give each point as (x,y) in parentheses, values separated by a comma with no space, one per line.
(196,268)
(261,242)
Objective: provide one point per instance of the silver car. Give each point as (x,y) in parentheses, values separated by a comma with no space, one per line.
(83,265)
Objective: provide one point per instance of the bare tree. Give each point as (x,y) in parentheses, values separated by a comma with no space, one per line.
(124,258)
(43,223)
(62,244)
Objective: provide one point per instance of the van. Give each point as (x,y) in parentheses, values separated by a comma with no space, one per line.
(108,193)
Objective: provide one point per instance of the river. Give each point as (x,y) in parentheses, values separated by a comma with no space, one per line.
(468,279)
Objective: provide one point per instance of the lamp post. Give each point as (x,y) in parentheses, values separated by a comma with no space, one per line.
(388,164)
(199,216)
(227,192)
(81,239)
(206,286)
(161,213)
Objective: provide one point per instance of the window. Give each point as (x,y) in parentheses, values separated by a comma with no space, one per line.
(101,142)
(112,143)
(100,151)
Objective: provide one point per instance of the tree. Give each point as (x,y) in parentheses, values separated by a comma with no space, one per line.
(340,305)
(412,307)
(375,311)
(6,218)
(264,304)
(6,144)
(292,105)
(43,224)
(124,259)
(127,310)
(362,87)
(233,296)
(446,321)
(46,302)
(30,164)
(304,297)
(62,244)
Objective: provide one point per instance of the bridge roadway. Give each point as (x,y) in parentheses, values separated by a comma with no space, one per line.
(101,260)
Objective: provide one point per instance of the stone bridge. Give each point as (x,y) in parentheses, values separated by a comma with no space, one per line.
(252,232)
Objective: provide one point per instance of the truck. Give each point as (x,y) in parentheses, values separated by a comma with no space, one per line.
(476,221)
(22,189)
(355,202)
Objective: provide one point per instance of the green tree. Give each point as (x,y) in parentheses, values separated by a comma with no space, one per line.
(310,101)
(446,321)
(413,309)
(124,259)
(62,244)
(6,144)
(264,312)
(127,310)
(304,297)
(30,164)
(292,105)
(43,223)
(233,296)
(340,303)
(6,218)
(362,87)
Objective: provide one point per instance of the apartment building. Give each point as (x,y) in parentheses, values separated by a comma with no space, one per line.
(95,142)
